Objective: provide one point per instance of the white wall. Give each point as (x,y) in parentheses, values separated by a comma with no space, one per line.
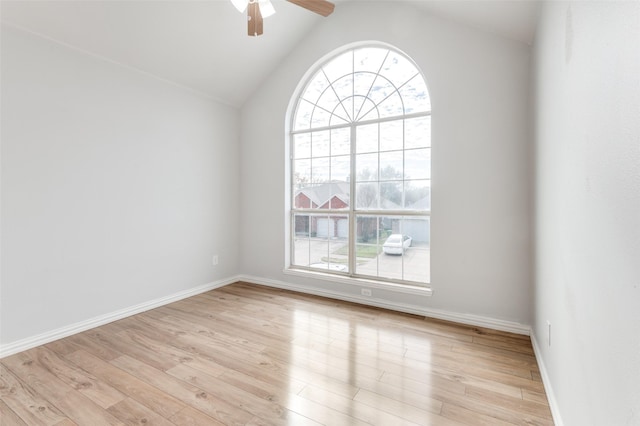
(117,188)
(481,213)
(587,85)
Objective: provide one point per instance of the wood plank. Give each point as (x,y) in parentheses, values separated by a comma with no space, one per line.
(160,402)
(471,418)
(353,407)
(189,416)
(191,395)
(76,406)
(406,411)
(514,404)
(25,401)
(66,422)
(263,408)
(91,387)
(539,397)
(132,413)
(8,417)
(321,413)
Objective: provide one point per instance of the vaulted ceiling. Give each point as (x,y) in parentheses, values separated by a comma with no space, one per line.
(203,45)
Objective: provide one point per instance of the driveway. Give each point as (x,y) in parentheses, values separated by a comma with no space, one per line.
(414,265)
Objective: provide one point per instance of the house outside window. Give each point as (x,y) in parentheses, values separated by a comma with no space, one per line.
(361,169)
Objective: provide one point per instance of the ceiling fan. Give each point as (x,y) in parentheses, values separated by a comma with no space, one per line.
(257,10)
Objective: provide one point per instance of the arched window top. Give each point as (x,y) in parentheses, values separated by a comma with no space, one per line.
(362,84)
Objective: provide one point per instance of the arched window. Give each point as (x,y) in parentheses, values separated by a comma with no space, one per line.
(361,169)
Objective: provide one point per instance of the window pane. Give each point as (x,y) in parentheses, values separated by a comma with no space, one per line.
(417,132)
(337,121)
(320,118)
(366,167)
(398,69)
(301,225)
(391,195)
(392,106)
(370,234)
(340,167)
(320,170)
(418,163)
(333,259)
(367,138)
(362,83)
(373,114)
(367,195)
(303,115)
(369,59)
(341,141)
(339,66)
(328,101)
(340,196)
(320,144)
(367,228)
(347,107)
(319,231)
(415,96)
(301,199)
(316,87)
(381,89)
(301,251)
(416,259)
(366,110)
(301,172)
(391,165)
(391,133)
(393,247)
(302,145)
(417,195)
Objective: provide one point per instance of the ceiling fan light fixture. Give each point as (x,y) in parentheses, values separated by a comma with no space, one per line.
(241,5)
(259,9)
(266,8)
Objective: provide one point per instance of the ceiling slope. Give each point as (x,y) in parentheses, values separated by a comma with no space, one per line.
(203,45)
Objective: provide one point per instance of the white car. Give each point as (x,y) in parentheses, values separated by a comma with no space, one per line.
(396,244)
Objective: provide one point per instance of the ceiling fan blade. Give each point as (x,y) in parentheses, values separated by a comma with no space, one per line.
(321,7)
(254,20)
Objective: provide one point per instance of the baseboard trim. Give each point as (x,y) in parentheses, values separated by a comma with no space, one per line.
(59,333)
(467,319)
(551,397)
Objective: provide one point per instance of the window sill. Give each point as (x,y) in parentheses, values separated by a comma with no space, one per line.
(361,282)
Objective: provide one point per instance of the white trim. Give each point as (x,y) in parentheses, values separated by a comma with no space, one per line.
(546,381)
(479,321)
(59,333)
(468,319)
(363,282)
(474,320)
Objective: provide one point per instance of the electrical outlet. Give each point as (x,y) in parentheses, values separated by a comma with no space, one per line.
(214,260)
(365,292)
(549,333)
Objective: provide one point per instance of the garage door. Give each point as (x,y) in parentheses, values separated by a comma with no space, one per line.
(323,227)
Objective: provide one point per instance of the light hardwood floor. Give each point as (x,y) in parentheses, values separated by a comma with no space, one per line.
(250,355)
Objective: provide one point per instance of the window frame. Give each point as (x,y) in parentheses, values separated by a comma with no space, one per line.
(352,212)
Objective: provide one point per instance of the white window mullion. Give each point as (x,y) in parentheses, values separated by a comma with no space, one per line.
(352,204)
